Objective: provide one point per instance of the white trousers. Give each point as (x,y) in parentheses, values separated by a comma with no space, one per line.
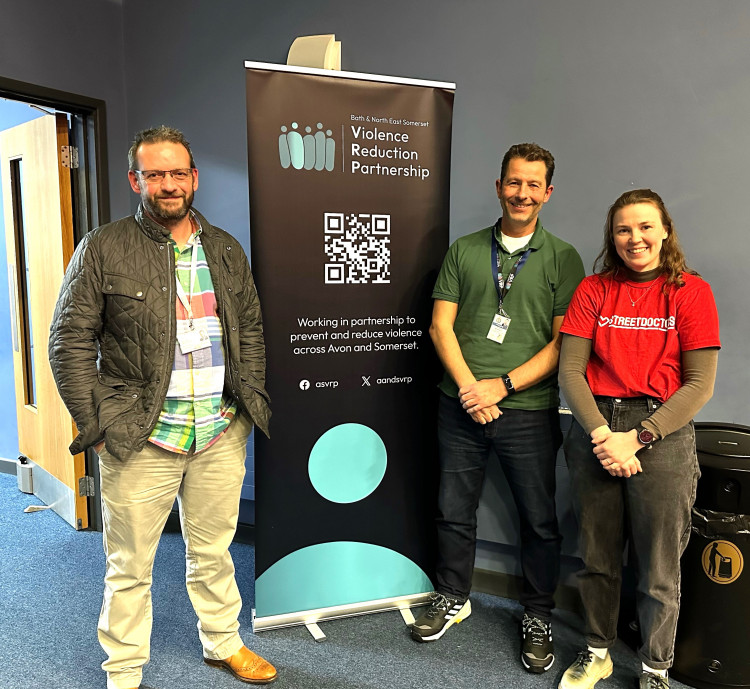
(137,497)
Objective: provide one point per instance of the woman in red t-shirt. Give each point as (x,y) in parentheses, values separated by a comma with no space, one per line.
(638,360)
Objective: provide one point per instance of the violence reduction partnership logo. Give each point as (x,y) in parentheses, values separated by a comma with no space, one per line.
(370,151)
(307,151)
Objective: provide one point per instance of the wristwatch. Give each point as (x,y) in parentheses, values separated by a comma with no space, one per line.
(645,437)
(508,384)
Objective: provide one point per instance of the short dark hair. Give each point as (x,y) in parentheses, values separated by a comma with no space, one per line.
(531,152)
(157,135)
(672,260)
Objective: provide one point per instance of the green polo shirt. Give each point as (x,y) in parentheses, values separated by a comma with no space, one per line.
(541,290)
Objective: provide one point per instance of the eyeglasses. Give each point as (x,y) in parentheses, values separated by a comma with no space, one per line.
(182,174)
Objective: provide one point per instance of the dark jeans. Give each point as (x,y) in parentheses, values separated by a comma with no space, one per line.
(652,509)
(526,443)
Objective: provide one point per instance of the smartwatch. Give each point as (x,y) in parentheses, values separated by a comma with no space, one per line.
(645,437)
(508,384)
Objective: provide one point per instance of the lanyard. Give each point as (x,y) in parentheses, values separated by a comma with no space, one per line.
(503,285)
(184,298)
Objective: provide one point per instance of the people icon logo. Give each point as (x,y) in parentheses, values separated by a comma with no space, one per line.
(309,151)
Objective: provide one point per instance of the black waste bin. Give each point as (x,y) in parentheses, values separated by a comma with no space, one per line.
(712,648)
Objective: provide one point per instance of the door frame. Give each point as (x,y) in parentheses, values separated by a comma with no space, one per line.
(95,174)
(90,191)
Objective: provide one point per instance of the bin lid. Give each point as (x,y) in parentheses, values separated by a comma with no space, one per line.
(723,440)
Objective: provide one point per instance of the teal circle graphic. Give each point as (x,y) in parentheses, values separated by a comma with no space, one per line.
(347,463)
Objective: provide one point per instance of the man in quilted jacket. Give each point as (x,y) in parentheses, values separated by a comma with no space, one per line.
(157,350)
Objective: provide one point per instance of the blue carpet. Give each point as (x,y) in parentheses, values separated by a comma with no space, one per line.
(50,594)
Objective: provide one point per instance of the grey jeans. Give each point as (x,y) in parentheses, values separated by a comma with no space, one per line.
(652,509)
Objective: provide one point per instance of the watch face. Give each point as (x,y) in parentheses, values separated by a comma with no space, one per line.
(646,437)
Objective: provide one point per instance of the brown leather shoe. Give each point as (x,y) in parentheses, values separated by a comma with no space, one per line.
(246,666)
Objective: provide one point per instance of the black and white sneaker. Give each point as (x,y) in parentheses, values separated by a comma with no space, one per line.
(537,651)
(443,612)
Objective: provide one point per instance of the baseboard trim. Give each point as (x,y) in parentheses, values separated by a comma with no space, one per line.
(509,586)
(7,466)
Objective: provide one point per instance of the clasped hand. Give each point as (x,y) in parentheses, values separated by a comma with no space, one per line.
(480,399)
(616,452)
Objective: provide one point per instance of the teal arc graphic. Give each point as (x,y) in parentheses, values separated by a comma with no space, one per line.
(347,463)
(336,573)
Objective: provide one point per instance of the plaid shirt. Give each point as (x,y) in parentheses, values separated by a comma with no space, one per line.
(195,409)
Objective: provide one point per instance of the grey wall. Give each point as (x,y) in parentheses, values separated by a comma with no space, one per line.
(50,44)
(645,92)
(625,94)
(74,46)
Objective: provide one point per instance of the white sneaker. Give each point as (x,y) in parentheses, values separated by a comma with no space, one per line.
(587,669)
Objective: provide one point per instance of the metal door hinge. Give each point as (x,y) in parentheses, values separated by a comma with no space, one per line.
(69,156)
(86,487)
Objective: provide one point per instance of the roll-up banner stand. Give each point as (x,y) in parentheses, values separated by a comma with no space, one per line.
(349,198)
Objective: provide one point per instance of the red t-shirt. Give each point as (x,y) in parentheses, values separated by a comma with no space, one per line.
(636,349)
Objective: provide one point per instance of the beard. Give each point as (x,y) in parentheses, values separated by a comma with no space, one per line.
(160,211)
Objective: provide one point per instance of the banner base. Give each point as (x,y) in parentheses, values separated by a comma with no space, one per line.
(311,617)
(407,616)
(315,631)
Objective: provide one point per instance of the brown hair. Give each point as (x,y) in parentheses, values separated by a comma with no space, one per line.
(157,135)
(672,264)
(532,153)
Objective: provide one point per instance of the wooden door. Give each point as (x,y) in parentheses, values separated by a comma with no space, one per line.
(39,240)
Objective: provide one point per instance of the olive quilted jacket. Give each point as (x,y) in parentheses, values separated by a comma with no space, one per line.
(112,337)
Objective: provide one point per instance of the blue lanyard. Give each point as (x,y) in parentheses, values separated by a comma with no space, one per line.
(503,285)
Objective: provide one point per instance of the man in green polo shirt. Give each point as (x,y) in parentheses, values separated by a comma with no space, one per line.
(500,299)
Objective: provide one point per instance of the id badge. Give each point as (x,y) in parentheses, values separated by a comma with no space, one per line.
(499,328)
(192,340)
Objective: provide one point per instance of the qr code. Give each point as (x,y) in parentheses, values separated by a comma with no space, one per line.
(357,247)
